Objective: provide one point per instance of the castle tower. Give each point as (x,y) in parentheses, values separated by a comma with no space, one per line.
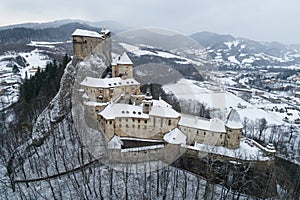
(147,103)
(122,67)
(86,42)
(234,128)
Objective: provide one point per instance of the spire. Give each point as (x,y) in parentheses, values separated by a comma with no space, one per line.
(233,120)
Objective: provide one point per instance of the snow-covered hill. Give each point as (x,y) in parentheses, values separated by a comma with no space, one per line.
(16,65)
(240,53)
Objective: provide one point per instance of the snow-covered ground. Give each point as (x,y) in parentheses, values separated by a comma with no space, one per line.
(139,52)
(211,96)
(244,152)
(10,82)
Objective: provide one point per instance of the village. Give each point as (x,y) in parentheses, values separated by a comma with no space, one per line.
(135,122)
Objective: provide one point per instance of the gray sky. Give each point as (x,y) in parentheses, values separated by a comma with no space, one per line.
(262,20)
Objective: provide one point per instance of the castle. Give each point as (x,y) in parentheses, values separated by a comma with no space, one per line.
(122,110)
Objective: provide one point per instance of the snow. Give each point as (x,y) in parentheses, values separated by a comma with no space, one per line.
(188,89)
(93,103)
(233,120)
(115,143)
(166,112)
(244,152)
(124,60)
(81,32)
(152,147)
(175,137)
(233,59)
(139,52)
(107,82)
(44,44)
(215,125)
(231,44)
(248,60)
(255,114)
(120,110)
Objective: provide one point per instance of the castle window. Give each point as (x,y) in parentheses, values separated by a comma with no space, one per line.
(145,121)
(127,126)
(110,122)
(133,120)
(220,135)
(169,122)
(204,133)
(120,125)
(139,113)
(120,120)
(127,112)
(134,112)
(133,125)
(123,111)
(139,126)
(126,120)
(139,121)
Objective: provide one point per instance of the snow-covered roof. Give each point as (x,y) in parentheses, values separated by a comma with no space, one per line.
(124,60)
(93,103)
(120,110)
(81,32)
(217,125)
(233,120)
(107,82)
(161,103)
(167,112)
(214,125)
(105,31)
(175,137)
(115,143)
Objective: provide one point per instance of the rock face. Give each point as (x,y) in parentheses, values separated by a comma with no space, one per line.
(54,137)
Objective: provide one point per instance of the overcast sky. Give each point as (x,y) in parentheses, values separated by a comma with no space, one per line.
(262,20)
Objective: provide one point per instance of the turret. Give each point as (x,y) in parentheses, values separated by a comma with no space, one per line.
(147,103)
(122,67)
(234,128)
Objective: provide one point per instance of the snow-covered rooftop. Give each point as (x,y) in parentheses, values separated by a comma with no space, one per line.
(233,120)
(105,31)
(175,137)
(124,60)
(107,82)
(160,111)
(120,110)
(214,125)
(81,32)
